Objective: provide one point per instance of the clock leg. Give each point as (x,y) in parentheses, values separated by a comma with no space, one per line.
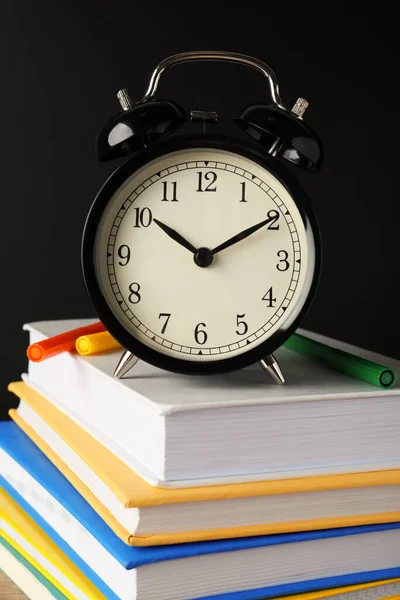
(271,366)
(127,361)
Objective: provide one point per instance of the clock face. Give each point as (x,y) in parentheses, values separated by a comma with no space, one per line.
(202,255)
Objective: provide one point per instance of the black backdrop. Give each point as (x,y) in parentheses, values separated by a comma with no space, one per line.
(61,64)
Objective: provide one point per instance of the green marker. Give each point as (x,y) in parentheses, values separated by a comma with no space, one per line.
(340,360)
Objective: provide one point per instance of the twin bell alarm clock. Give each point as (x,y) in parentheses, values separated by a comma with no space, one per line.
(201,253)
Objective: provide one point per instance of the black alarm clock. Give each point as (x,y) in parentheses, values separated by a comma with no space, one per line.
(201,254)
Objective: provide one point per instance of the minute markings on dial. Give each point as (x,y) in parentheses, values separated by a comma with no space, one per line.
(280,205)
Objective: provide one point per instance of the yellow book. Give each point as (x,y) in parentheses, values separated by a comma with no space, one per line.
(141,514)
(23,534)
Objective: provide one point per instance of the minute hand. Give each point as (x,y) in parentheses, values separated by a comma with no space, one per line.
(242,235)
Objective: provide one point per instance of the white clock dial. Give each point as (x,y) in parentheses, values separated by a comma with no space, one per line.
(231,300)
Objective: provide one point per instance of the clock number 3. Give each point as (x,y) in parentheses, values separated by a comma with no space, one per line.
(134,295)
(283,264)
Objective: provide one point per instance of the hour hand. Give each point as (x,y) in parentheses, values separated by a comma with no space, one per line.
(175,236)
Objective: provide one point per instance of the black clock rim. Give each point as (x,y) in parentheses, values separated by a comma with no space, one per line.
(105,314)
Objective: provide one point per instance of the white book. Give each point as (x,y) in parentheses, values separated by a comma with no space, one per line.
(179,431)
(148,512)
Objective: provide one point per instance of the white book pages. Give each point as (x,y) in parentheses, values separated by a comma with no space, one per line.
(212,514)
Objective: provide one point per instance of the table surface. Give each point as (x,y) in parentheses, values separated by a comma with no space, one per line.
(9,591)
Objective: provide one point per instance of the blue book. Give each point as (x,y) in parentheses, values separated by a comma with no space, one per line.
(235,569)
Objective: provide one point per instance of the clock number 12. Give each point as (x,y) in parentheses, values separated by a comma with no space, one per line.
(209,177)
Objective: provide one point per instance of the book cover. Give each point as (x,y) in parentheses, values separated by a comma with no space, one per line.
(51,547)
(133,491)
(29,580)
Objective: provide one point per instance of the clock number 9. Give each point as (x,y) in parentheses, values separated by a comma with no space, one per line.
(200,332)
(283,264)
(134,295)
(124,252)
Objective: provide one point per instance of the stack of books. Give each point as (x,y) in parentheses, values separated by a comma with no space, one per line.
(160,486)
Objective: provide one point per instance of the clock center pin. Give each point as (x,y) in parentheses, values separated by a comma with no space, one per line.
(203,257)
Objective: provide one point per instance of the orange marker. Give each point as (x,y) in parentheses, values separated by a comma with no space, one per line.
(64,342)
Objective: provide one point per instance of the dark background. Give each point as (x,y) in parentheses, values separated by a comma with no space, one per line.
(61,64)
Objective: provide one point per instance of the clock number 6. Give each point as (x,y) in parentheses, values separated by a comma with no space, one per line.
(283,264)
(134,295)
(240,322)
(200,332)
